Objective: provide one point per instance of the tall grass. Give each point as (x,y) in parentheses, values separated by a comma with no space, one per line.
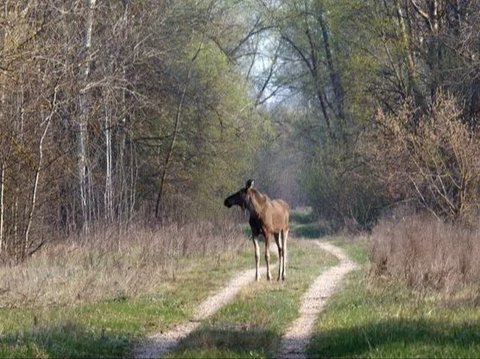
(426,253)
(109,265)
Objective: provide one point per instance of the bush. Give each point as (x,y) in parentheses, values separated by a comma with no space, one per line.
(426,253)
(431,157)
(341,189)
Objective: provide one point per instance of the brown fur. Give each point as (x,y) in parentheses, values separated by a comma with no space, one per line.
(268,218)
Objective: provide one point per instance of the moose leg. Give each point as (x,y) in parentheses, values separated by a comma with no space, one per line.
(284,253)
(257,258)
(267,255)
(280,254)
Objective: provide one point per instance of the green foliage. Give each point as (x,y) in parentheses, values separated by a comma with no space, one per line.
(357,40)
(349,60)
(309,230)
(340,187)
(218,127)
(278,162)
(227,132)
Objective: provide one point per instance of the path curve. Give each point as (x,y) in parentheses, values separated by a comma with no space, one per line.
(295,340)
(160,344)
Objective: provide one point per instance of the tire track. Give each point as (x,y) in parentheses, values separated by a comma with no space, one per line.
(160,344)
(295,341)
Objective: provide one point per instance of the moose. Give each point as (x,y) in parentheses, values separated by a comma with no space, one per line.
(267,217)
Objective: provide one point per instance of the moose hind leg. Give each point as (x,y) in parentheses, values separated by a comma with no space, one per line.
(280,254)
(284,253)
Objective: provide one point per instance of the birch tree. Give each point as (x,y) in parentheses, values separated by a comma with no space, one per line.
(83,170)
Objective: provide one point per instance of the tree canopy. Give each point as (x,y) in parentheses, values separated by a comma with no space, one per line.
(115,112)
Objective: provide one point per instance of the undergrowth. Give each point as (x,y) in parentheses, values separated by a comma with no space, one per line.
(426,253)
(97,297)
(110,265)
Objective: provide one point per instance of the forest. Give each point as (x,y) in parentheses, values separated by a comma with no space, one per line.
(123,114)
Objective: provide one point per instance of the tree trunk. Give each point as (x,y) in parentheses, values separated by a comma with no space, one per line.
(2,205)
(3,159)
(83,124)
(334,74)
(37,176)
(171,147)
(108,176)
(412,88)
(435,49)
(175,132)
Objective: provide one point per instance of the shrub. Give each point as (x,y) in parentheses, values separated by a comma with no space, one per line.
(341,189)
(431,157)
(426,253)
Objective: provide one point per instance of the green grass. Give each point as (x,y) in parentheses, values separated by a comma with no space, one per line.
(63,340)
(357,248)
(301,216)
(304,225)
(110,328)
(252,325)
(379,319)
(308,230)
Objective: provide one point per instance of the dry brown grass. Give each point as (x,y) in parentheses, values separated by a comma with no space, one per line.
(108,265)
(426,253)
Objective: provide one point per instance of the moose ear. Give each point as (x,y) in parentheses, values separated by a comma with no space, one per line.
(249,184)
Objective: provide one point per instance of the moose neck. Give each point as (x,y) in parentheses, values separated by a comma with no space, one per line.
(256,203)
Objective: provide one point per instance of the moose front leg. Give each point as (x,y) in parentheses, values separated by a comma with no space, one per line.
(267,255)
(257,258)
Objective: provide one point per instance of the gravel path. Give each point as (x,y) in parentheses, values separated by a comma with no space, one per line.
(161,343)
(294,342)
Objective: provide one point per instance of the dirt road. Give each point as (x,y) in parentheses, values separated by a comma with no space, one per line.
(159,344)
(296,338)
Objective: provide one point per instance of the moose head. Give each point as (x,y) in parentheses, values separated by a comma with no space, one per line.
(239,198)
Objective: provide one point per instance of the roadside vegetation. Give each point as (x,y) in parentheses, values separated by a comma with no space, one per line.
(378,316)
(96,298)
(427,254)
